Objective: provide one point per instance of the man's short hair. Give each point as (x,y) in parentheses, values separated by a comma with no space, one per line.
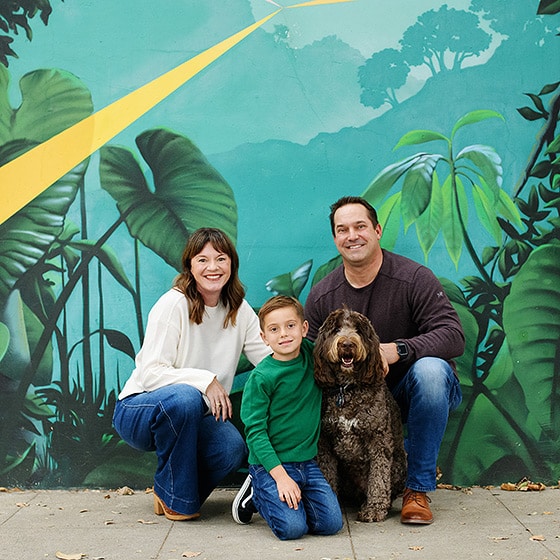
(278,302)
(345,200)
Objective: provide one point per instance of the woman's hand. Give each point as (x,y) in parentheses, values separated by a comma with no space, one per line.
(288,489)
(220,404)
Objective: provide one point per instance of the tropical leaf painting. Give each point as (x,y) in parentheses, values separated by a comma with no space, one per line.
(263,138)
(187,192)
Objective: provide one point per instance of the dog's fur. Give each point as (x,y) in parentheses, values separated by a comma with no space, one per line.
(361,449)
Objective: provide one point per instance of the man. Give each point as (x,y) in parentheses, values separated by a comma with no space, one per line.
(419,330)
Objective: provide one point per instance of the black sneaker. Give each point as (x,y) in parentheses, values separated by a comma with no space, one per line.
(243,507)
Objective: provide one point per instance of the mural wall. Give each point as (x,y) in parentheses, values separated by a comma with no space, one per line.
(126,125)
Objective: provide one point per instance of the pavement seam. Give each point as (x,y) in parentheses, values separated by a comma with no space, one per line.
(164,540)
(349,532)
(542,543)
(18,508)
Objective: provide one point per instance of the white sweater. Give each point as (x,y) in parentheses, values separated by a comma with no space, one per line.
(176,350)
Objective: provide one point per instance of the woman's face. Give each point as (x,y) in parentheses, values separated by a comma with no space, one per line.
(211,270)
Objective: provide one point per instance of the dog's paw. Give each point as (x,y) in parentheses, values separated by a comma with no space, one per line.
(371,514)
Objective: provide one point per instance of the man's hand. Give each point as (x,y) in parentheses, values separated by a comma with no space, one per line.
(288,490)
(389,355)
(220,404)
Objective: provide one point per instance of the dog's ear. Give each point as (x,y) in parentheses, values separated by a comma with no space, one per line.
(322,369)
(374,367)
(324,375)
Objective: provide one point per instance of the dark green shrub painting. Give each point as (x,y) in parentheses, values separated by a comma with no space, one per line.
(443,115)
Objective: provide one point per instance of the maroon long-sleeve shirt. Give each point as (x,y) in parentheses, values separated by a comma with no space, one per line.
(405,302)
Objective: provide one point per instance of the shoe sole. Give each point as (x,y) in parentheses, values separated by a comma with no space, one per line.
(237,501)
(417,521)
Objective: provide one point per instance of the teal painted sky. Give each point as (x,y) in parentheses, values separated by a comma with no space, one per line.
(115,47)
(283,120)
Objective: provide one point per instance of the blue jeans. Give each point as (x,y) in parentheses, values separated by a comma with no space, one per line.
(318,512)
(194,451)
(426,395)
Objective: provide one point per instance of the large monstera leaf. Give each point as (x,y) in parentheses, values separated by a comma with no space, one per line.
(27,236)
(51,101)
(187,192)
(532,326)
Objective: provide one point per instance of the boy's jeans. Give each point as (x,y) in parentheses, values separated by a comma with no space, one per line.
(318,511)
(195,452)
(426,395)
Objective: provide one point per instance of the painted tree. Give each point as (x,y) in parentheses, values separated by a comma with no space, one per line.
(381,76)
(444,39)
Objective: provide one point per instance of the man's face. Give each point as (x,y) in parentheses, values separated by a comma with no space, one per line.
(355,237)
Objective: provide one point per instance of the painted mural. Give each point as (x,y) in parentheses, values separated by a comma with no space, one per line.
(126,125)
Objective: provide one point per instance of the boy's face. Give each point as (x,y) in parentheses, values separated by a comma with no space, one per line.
(283,331)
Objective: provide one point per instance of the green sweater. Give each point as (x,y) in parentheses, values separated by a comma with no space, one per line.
(281,410)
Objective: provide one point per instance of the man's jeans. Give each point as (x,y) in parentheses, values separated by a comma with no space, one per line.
(318,511)
(195,452)
(426,395)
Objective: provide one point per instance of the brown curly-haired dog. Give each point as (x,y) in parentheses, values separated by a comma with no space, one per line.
(361,449)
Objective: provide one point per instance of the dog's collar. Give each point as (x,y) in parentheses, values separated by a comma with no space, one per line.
(341,396)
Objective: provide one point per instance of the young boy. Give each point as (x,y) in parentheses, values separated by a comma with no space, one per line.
(281,411)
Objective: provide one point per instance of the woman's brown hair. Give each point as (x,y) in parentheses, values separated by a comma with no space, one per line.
(232,293)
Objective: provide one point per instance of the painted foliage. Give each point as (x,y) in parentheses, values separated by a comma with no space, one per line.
(254,117)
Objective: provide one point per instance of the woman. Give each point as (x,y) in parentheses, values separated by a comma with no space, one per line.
(176,401)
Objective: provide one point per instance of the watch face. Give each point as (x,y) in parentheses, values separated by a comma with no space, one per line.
(402,350)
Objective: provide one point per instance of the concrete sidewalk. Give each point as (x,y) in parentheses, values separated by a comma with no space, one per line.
(110,525)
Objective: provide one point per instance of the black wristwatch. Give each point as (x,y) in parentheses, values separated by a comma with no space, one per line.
(402,350)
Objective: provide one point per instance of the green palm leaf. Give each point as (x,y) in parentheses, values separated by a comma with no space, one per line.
(428,224)
(188,192)
(474,117)
(389,216)
(420,137)
(451,227)
(417,187)
(488,162)
(531,313)
(383,181)
(486,214)
(291,283)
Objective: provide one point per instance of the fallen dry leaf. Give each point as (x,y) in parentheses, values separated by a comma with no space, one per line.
(537,538)
(76,556)
(3,489)
(415,548)
(125,491)
(189,554)
(508,486)
(500,538)
(21,504)
(109,522)
(146,522)
(524,485)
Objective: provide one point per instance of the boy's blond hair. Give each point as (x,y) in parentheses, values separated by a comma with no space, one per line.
(278,302)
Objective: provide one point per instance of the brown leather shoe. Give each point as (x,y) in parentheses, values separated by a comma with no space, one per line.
(416,508)
(161,509)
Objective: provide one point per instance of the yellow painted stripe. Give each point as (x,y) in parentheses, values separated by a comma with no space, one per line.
(317,2)
(27,176)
